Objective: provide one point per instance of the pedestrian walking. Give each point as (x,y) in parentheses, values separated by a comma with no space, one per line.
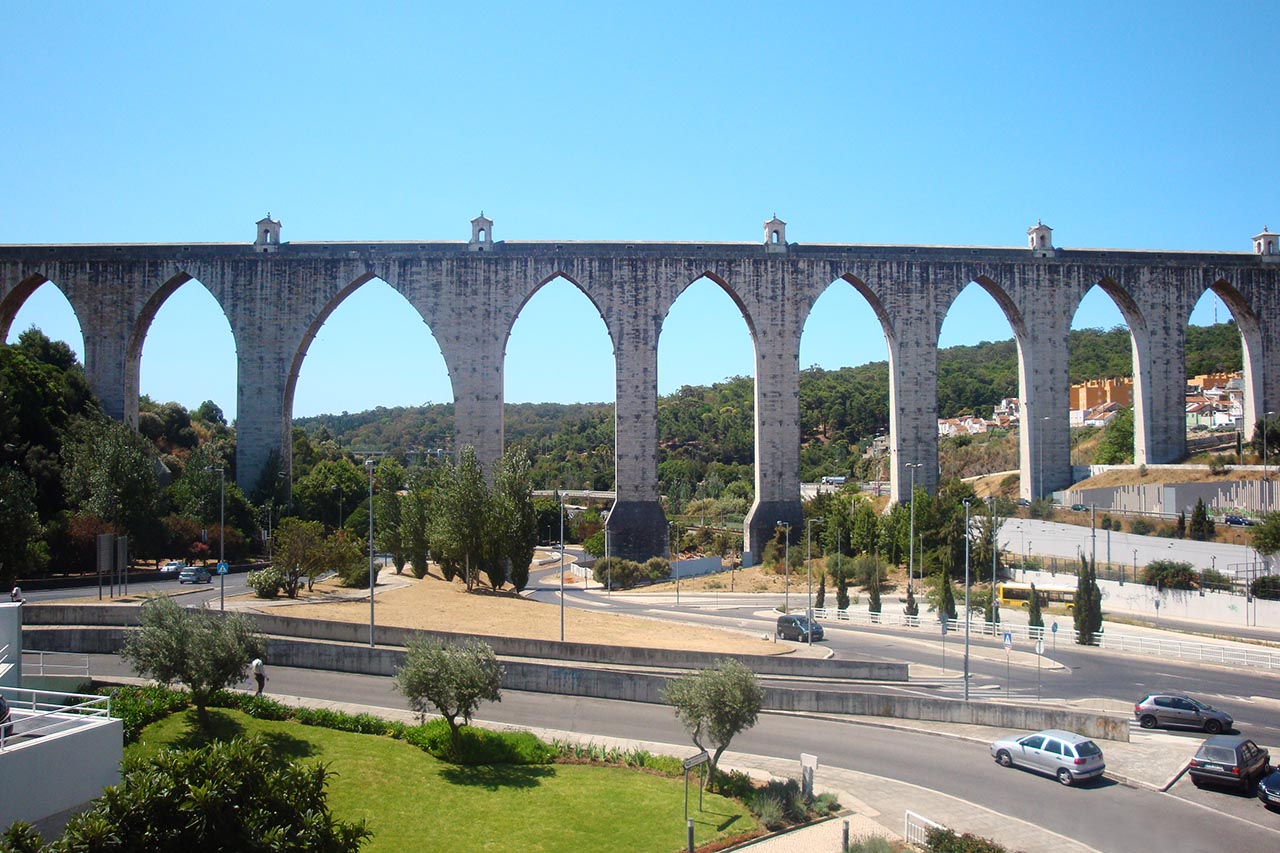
(259,675)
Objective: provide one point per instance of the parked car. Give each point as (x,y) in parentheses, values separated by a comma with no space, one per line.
(173,567)
(1269,789)
(195,574)
(797,628)
(1232,760)
(1066,756)
(1179,709)
(1079,508)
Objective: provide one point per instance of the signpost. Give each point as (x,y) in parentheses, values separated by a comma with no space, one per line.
(1054,629)
(942,617)
(1039,652)
(222,585)
(689,763)
(1008,669)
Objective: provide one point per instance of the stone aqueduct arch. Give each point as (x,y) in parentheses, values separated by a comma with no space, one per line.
(276,295)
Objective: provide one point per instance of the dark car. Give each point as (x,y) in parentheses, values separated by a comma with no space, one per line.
(1235,521)
(1231,760)
(1269,789)
(797,628)
(1179,709)
(1079,508)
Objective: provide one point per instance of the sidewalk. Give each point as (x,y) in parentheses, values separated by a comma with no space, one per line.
(877,804)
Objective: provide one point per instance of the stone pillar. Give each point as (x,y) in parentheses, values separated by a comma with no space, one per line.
(263,422)
(913,404)
(637,524)
(1045,390)
(478,395)
(1159,388)
(777,345)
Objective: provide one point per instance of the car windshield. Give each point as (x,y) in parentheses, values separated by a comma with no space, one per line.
(1088,749)
(1202,706)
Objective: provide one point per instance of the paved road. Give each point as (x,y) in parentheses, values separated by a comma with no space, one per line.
(1106,816)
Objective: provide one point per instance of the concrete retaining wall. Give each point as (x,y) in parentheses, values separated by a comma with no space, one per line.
(345,632)
(631,686)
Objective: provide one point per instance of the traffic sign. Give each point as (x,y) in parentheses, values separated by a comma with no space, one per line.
(1008,641)
(222,568)
(1039,647)
(943,622)
(1054,628)
(693,761)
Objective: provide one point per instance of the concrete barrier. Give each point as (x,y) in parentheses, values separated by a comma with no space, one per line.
(351,632)
(631,686)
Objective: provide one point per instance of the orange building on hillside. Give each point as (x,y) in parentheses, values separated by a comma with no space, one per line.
(1098,392)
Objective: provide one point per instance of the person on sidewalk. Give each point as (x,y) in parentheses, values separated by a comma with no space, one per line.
(259,675)
(16,595)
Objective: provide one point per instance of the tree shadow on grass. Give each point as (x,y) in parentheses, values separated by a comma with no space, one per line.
(495,777)
(222,726)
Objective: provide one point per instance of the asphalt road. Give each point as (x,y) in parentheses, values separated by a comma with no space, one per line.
(1104,815)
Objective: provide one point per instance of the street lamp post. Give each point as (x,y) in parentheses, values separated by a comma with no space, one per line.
(786,567)
(562,568)
(368,464)
(808,570)
(222,534)
(1135,568)
(966,601)
(911,536)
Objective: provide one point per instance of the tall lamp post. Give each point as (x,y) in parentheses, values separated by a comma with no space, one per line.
(373,579)
(966,601)
(222,534)
(911,537)
(808,570)
(562,568)
(786,567)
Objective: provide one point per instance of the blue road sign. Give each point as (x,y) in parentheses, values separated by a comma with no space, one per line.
(222,568)
(1054,629)
(1008,641)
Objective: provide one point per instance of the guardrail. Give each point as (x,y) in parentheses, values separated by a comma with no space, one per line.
(1202,652)
(45,712)
(54,663)
(915,828)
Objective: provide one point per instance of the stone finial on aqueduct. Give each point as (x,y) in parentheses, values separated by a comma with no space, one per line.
(775,235)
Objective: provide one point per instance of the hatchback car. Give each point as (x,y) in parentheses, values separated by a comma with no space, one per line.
(173,567)
(1231,760)
(1269,789)
(1179,709)
(195,574)
(797,628)
(1066,756)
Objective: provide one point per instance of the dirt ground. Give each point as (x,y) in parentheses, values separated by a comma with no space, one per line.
(432,603)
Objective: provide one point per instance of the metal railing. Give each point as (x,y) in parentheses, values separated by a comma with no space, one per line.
(915,828)
(37,664)
(36,713)
(1150,646)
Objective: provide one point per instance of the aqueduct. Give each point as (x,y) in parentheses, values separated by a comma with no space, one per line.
(276,295)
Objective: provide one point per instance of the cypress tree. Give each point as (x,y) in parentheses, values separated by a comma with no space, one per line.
(1034,617)
(874,597)
(842,593)
(1080,613)
(948,604)
(912,609)
(1180,530)
(820,600)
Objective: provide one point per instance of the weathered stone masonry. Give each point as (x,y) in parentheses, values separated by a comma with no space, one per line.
(277,295)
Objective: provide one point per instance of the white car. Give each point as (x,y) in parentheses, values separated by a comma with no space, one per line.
(173,567)
(1067,756)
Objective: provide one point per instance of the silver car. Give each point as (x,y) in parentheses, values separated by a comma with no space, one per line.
(1064,755)
(1179,709)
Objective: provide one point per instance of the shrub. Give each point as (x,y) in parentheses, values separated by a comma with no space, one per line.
(1169,574)
(1218,464)
(866,568)
(1267,586)
(825,804)
(138,707)
(266,583)
(1106,523)
(768,811)
(946,841)
(1140,526)
(657,568)
(873,844)
(623,574)
(479,746)
(735,784)
(1214,579)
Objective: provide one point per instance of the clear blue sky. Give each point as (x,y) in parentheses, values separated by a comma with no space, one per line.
(1120,125)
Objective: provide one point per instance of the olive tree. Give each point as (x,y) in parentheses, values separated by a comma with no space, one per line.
(452,679)
(202,649)
(716,704)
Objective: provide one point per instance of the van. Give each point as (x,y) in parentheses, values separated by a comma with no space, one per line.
(834,481)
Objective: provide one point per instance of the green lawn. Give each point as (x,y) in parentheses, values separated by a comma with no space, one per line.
(414,802)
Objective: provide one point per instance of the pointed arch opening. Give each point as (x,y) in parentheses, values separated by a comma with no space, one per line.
(181,350)
(1225,372)
(39,303)
(845,356)
(706,402)
(981,383)
(1105,397)
(559,356)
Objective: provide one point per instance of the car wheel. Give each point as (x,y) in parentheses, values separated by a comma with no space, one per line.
(1213,727)
(1064,776)
(1147,721)
(1004,759)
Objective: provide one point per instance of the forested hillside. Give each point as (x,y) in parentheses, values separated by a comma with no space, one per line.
(706,433)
